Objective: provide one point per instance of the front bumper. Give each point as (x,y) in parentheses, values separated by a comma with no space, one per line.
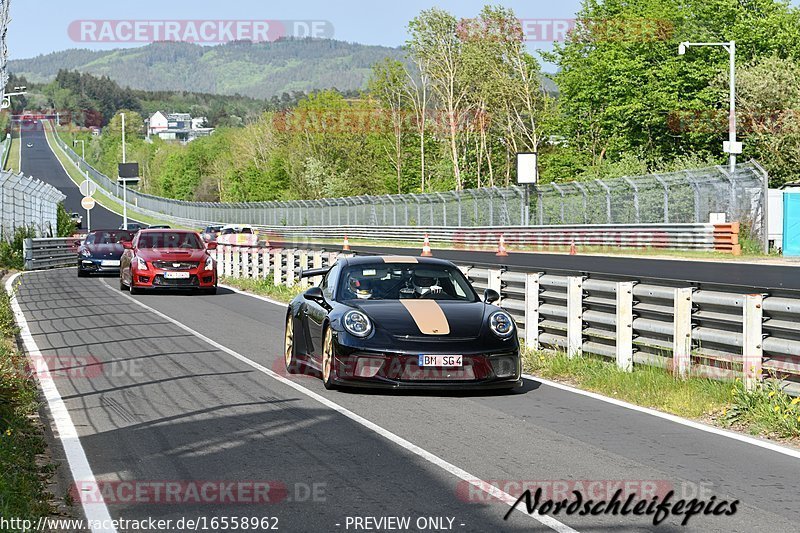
(155,278)
(400,370)
(92,265)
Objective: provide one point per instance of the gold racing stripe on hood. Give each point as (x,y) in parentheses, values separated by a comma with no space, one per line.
(428,315)
(399,259)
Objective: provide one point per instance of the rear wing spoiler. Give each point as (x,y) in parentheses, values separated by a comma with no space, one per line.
(311,273)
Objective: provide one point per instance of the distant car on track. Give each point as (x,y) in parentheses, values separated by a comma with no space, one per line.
(401,322)
(210,232)
(168,259)
(241,234)
(159,226)
(133,226)
(101,250)
(76,219)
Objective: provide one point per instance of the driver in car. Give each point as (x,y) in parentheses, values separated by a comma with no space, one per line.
(424,285)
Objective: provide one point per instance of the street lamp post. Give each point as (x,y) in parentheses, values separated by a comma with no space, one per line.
(731,146)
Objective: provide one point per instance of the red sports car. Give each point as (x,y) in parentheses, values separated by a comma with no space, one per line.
(168,259)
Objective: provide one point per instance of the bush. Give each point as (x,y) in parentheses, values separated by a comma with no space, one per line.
(11,251)
(65,227)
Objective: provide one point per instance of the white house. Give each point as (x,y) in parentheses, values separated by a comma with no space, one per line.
(157,123)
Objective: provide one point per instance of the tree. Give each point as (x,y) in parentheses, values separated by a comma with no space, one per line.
(388,84)
(768,100)
(437,47)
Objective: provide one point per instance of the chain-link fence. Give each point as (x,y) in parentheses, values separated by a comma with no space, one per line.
(677,197)
(27,202)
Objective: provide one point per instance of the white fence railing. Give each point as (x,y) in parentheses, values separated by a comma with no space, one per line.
(709,333)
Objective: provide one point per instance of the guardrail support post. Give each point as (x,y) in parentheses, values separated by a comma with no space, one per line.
(303,266)
(682,332)
(290,268)
(246,263)
(237,262)
(317,259)
(332,258)
(532,310)
(574,315)
(277,266)
(27,253)
(264,263)
(624,346)
(495,283)
(752,346)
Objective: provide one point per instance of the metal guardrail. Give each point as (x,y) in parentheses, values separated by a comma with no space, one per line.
(689,330)
(50,253)
(5,149)
(688,196)
(708,237)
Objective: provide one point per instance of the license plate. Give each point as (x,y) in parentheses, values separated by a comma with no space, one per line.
(440,360)
(176,275)
(110,262)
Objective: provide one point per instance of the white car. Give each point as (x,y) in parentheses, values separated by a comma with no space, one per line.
(241,234)
(77,219)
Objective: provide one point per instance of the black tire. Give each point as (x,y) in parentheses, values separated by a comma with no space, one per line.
(328,356)
(209,292)
(134,290)
(82,273)
(289,348)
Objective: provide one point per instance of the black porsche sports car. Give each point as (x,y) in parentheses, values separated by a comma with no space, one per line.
(400,322)
(100,252)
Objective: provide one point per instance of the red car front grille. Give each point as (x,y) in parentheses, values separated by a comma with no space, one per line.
(175,265)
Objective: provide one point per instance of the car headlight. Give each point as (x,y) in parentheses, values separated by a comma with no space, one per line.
(141,264)
(209,263)
(357,323)
(501,324)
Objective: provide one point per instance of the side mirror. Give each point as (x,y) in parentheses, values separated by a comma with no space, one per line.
(490,296)
(211,245)
(128,245)
(315,295)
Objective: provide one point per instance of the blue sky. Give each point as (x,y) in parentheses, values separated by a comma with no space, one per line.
(40,26)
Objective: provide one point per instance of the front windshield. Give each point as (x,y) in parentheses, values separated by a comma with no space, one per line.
(108,237)
(170,239)
(382,281)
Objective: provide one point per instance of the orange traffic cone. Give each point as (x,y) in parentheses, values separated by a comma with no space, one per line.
(572,249)
(346,244)
(501,248)
(426,247)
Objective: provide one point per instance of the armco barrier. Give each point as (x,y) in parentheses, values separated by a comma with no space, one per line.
(689,330)
(704,237)
(50,253)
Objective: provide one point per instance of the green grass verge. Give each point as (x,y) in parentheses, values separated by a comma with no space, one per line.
(101,196)
(23,491)
(12,163)
(263,287)
(766,411)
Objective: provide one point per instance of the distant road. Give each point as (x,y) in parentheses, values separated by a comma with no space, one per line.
(40,162)
(724,273)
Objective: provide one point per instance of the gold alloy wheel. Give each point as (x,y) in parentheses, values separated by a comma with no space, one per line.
(288,344)
(327,359)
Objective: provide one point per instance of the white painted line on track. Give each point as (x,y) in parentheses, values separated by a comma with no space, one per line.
(791,452)
(493,491)
(672,418)
(96,513)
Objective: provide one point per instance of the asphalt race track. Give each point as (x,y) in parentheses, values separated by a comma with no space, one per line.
(153,401)
(40,162)
(742,275)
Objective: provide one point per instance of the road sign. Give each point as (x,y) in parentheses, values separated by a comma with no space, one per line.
(527,168)
(128,171)
(88,188)
(87,203)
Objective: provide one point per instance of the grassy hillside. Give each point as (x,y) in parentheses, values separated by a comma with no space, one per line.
(259,70)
